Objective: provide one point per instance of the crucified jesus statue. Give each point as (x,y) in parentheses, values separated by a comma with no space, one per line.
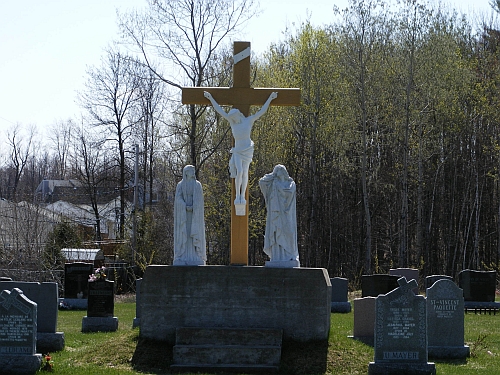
(242,152)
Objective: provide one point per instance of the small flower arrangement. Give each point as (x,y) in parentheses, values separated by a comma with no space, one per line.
(48,365)
(99,274)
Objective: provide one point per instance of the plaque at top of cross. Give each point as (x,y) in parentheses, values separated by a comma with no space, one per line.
(241,96)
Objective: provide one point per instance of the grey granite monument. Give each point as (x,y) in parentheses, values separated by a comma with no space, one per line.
(18,334)
(401,333)
(445,321)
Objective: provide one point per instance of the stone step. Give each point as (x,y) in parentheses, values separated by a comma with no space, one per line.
(224,368)
(227,349)
(228,336)
(227,355)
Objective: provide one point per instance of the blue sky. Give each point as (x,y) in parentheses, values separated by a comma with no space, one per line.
(47,45)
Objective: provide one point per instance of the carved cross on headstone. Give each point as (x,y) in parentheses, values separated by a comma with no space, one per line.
(407,285)
(241,96)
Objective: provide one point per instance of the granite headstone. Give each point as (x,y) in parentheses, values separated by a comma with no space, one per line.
(45,295)
(76,276)
(364,319)
(401,333)
(445,321)
(409,273)
(478,286)
(100,311)
(373,285)
(18,317)
(430,280)
(340,288)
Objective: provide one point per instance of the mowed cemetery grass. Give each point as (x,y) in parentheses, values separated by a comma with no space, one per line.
(122,352)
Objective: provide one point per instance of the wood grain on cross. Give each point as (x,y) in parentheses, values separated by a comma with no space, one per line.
(241,96)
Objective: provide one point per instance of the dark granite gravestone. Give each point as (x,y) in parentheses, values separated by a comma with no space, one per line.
(430,280)
(101,299)
(45,295)
(340,289)
(478,286)
(18,334)
(373,285)
(445,321)
(100,310)
(401,333)
(76,276)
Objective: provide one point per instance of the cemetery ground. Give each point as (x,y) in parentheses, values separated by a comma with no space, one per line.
(122,352)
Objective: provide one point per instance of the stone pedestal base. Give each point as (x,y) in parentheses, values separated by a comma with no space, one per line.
(448,352)
(283,263)
(20,364)
(340,307)
(99,324)
(295,300)
(49,342)
(428,368)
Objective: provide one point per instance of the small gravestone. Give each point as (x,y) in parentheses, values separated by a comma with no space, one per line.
(45,295)
(445,321)
(430,280)
(76,277)
(18,334)
(100,311)
(409,273)
(373,285)
(364,319)
(340,289)
(478,286)
(401,333)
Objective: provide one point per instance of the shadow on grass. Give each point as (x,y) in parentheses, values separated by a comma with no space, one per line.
(152,356)
(296,357)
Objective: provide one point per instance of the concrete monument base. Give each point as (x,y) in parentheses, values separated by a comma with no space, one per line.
(340,307)
(20,364)
(99,324)
(296,300)
(428,368)
(49,342)
(190,263)
(74,303)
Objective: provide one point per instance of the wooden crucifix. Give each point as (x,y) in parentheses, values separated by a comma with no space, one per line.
(241,96)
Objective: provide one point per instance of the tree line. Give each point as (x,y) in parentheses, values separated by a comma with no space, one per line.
(395,148)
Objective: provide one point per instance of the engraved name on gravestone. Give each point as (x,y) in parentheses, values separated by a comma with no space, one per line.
(101,299)
(445,320)
(17,323)
(401,332)
(76,276)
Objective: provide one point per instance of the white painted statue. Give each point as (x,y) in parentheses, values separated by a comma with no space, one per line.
(189,221)
(280,242)
(242,152)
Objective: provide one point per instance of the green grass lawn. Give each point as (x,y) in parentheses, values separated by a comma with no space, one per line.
(122,352)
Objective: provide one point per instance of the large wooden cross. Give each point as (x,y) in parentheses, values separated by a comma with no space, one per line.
(241,96)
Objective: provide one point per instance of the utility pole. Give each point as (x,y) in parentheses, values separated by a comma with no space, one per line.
(134,211)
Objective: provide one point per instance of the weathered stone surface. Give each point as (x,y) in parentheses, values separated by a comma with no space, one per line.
(296,300)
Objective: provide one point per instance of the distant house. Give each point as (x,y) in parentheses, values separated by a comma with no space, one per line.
(72,191)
